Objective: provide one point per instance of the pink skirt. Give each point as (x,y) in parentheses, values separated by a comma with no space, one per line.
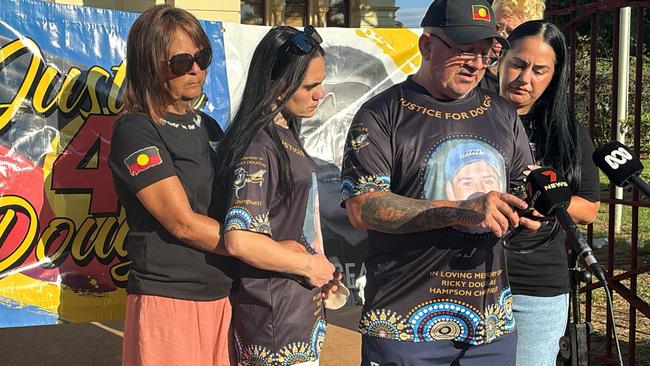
(165,331)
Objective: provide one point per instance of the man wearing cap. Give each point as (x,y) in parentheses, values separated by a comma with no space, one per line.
(437,291)
(471,169)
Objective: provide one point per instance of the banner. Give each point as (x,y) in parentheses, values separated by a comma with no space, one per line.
(62,229)
(360,63)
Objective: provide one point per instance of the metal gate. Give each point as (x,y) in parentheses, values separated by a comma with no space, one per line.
(592,30)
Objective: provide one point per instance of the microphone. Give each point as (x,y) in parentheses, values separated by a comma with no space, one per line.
(550,195)
(620,166)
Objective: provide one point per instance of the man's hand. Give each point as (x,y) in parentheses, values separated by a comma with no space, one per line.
(499,210)
(529,224)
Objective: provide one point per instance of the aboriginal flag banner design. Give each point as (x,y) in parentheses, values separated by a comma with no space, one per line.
(142,160)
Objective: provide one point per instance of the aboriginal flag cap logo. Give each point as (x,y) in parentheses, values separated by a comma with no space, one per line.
(480,12)
(142,160)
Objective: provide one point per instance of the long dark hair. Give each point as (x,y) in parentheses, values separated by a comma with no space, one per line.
(274,75)
(145,86)
(555,129)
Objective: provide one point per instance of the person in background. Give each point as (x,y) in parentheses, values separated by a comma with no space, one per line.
(177,311)
(272,221)
(437,291)
(508,14)
(534,77)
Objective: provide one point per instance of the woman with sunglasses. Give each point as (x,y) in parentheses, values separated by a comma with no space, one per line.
(272,220)
(177,310)
(534,76)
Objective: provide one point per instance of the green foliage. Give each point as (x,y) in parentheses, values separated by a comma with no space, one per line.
(604,87)
(605,21)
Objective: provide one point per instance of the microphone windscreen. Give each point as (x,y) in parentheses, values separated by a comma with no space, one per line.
(547,190)
(617,162)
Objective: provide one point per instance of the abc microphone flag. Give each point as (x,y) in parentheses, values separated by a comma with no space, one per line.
(620,165)
(617,162)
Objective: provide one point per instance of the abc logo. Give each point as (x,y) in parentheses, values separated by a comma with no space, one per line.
(618,157)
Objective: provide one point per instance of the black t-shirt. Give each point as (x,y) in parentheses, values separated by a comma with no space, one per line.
(276,316)
(490,82)
(544,272)
(142,153)
(443,284)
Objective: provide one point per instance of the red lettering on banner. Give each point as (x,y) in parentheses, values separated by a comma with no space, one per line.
(73,173)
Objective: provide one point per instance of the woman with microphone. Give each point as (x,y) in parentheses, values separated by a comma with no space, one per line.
(534,76)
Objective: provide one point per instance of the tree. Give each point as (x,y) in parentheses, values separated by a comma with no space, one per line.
(604,93)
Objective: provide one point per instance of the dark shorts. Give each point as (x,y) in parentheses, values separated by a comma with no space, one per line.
(384,352)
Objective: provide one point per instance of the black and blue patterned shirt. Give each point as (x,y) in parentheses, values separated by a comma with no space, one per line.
(278,318)
(444,284)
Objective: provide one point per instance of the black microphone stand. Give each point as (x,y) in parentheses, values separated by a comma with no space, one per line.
(641,185)
(573,346)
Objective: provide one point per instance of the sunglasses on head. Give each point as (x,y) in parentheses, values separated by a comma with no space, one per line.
(299,44)
(303,42)
(180,64)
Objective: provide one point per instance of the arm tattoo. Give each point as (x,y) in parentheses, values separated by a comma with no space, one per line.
(395,214)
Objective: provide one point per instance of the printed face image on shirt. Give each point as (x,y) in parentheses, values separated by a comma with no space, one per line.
(311,230)
(478,176)
(459,169)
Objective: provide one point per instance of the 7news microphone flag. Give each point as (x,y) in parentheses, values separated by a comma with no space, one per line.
(550,195)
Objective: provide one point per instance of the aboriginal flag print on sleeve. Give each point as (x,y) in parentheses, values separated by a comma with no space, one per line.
(143,159)
(143,153)
(139,155)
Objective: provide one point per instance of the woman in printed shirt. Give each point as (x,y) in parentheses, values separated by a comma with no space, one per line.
(272,220)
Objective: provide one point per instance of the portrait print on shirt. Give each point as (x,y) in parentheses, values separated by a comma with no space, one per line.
(468,168)
(312,238)
(446,283)
(463,168)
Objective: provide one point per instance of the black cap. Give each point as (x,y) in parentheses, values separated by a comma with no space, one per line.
(463,21)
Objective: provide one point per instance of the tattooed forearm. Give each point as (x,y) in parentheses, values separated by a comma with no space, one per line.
(392,213)
(478,206)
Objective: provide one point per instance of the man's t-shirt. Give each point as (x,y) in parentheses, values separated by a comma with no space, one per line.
(443,284)
(544,272)
(142,153)
(278,318)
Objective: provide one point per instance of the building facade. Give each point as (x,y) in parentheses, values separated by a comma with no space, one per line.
(320,13)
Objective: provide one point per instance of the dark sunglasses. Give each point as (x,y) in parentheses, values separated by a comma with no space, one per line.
(180,64)
(303,42)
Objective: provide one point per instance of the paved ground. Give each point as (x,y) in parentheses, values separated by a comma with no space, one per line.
(99,344)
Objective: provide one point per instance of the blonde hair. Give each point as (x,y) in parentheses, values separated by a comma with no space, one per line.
(524,9)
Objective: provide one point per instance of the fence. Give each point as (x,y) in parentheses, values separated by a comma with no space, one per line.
(592,29)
